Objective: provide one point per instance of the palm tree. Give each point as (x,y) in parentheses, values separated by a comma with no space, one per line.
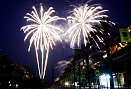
(111,37)
(65,76)
(85,53)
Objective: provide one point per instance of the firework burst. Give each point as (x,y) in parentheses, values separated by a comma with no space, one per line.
(81,21)
(43,34)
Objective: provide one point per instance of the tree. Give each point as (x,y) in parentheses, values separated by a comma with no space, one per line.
(85,53)
(5,68)
(28,71)
(14,73)
(110,37)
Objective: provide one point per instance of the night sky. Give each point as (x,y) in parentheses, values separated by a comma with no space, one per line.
(12,39)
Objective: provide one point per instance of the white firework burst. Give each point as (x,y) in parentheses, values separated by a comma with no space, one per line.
(80,23)
(43,34)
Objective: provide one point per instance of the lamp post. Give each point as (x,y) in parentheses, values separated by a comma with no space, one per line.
(74,76)
(79,75)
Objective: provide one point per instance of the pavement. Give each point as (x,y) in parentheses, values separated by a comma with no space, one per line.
(87,88)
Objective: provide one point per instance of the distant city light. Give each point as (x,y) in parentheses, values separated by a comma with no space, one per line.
(66,83)
(104,56)
(105,80)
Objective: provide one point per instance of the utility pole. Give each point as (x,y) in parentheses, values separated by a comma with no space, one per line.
(74,76)
(52,75)
(127,14)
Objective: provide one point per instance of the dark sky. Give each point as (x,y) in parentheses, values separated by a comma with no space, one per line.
(12,39)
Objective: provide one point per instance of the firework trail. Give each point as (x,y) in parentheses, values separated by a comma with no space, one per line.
(43,34)
(80,22)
